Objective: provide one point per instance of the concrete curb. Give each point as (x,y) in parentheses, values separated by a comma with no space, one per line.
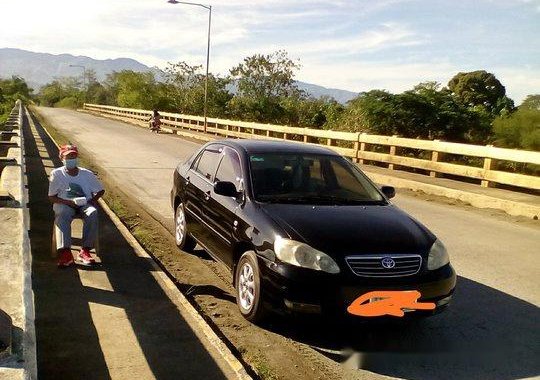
(179,299)
(476,200)
(194,319)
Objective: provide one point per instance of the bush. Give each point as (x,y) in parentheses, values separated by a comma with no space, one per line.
(69,102)
(519,130)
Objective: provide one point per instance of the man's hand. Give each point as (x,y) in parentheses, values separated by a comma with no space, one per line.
(94,200)
(67,202)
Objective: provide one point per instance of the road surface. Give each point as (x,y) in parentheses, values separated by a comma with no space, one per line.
(493,321)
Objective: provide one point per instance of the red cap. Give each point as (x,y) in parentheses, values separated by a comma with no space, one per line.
(66,149)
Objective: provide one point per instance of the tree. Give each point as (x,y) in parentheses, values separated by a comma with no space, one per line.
(442,117)
(54,93)
(15,88)
(136,90)
(185,90)
(11,90)
(302,111)
(426,112)
(480,88)
(262,81)
(531,102)
(370,111)
(266,76)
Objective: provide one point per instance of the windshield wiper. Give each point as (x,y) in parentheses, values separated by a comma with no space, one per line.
(319,199)
(346,201)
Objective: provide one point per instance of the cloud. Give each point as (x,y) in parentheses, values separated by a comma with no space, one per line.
(385,36)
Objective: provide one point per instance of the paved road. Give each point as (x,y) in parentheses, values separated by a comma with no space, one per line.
(495,312)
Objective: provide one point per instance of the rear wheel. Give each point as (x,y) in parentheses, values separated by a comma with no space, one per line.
(181,235)
(249,293)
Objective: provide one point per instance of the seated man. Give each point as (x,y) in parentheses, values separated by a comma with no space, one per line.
(74,191)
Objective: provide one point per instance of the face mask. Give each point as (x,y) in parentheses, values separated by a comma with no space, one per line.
(70,163)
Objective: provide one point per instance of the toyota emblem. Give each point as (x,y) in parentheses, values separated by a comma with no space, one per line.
(388,263)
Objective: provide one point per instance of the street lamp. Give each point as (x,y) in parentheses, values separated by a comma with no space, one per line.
(84,74)
(209,7)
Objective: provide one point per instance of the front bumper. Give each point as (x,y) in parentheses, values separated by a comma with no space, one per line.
(306,291)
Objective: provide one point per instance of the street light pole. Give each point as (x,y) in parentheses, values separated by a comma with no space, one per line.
(209,8)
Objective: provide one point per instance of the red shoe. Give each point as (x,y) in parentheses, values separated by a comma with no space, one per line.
(85,257)
(65,258)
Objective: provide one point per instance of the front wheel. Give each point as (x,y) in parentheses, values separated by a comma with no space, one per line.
(181,235)
(249,293)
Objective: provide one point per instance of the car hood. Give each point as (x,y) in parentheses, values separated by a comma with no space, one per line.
(347,230)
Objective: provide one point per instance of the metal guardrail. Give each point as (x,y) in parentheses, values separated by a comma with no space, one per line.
(391,150)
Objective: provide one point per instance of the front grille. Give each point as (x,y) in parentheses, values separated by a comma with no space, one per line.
(372,266)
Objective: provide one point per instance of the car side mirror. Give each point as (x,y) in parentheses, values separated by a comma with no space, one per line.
(388,191)
(225,188)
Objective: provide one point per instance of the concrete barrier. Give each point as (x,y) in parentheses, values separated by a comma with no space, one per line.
(18,360)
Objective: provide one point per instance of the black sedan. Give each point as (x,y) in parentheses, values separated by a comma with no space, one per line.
(303,229)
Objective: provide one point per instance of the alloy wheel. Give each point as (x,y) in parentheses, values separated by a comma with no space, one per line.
(246,287)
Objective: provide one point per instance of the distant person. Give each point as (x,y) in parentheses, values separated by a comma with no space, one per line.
(74,191)
(155,122)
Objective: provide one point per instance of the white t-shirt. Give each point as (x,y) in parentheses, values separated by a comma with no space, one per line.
(65,186)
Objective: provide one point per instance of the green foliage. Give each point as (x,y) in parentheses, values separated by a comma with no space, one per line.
(480,88)
(263,82)
(15,88)
(301,111)
(68,102)
(185,90)
(134,90)
(11,90)
(266,76)
(531,102)
(365,110)
(520,130)
(425,112)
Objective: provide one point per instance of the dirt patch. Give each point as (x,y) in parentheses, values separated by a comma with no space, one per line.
(207,285)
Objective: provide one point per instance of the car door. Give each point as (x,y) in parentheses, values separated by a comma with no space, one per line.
(199,184)
(221,210)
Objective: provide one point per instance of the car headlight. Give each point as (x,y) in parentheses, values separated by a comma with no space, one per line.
(438,256)
(302,255)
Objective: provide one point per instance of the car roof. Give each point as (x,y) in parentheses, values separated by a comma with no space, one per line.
(251,146)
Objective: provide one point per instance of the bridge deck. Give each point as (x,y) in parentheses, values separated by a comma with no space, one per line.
(113,321)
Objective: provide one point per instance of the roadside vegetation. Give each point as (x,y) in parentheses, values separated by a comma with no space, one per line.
(471,108)
(11,90)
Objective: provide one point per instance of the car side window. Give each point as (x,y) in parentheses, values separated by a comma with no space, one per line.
(229,169)
(206,163)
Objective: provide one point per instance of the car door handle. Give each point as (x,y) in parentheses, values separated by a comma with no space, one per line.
(207,195)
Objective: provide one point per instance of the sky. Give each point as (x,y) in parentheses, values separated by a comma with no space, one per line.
(356,45)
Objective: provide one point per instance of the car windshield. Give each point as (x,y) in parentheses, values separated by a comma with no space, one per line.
(310,179)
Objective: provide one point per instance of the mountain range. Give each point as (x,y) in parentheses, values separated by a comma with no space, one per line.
(39,69)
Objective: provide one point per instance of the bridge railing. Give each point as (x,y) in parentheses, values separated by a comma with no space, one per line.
(487,165)
(17,316)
